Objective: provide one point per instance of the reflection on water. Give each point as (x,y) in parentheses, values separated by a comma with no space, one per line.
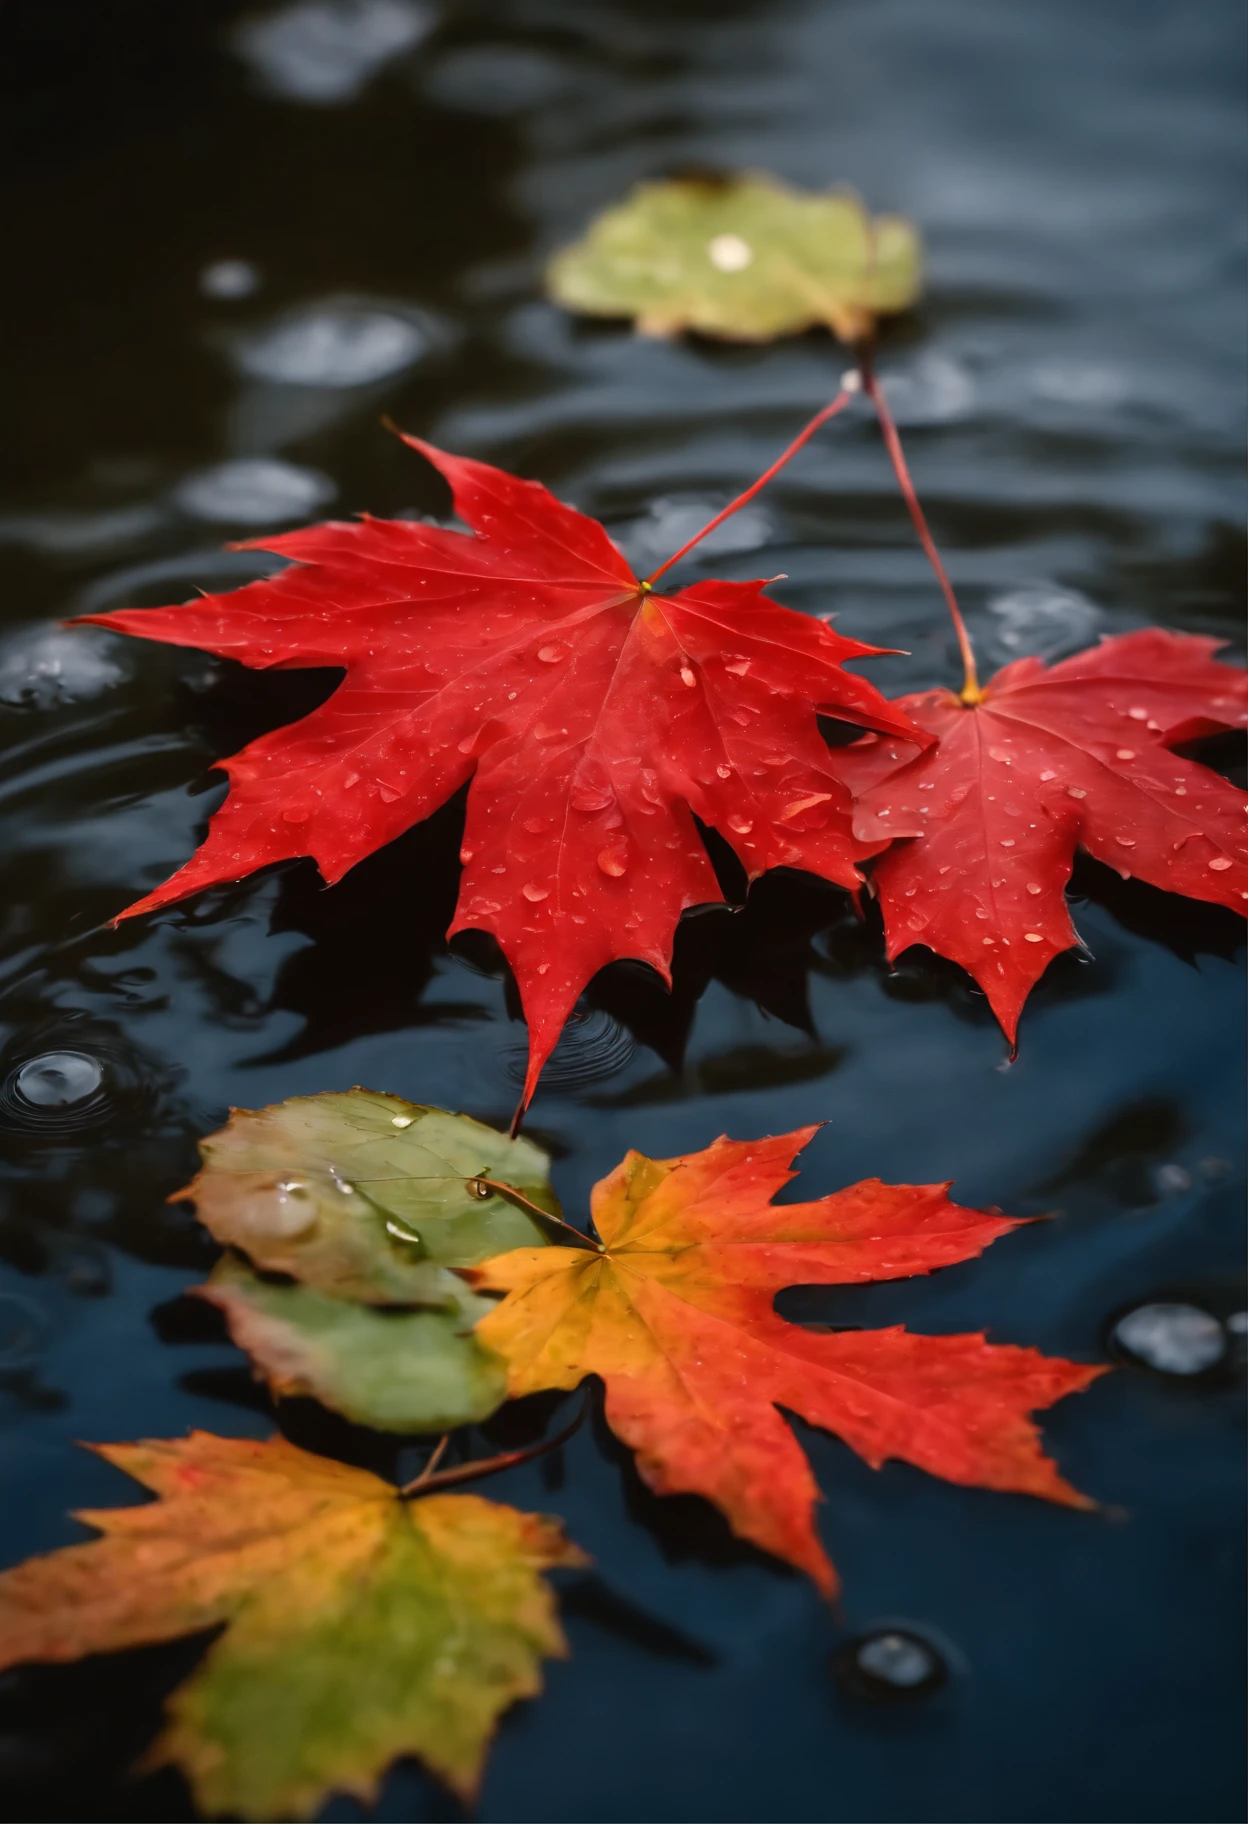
(239,234)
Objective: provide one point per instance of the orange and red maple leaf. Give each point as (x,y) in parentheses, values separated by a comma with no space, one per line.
(675,1313)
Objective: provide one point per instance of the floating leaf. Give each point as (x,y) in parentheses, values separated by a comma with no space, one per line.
(744,258)
(595,718)
(360,1626)
(309,1185)
(383,1366)
(1078,754)
(676,1315)
(366,1201)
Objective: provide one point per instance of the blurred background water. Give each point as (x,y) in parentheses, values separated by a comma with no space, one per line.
(235,236)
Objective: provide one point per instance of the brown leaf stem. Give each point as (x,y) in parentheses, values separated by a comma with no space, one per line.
(428,1480)
(538,1214)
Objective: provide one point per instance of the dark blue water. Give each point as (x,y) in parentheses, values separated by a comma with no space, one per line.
(203,270)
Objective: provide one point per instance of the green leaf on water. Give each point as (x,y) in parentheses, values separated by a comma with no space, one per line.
(417,1370)
(745,258)
(366,1201)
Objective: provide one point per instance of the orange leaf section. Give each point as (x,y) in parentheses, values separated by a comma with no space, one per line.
(676,1315)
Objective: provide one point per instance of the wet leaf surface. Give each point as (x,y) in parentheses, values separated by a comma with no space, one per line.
(741,257)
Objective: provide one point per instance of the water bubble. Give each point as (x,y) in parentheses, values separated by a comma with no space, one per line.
(254,491)
(1171,1338)
(59,1079)
(79,1080)
(890,1665)
(1172,1178)
(56,666)
(229,279)
(324,51)
(332,345)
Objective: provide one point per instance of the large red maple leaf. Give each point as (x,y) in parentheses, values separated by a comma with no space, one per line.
(594,716)
(1048,759)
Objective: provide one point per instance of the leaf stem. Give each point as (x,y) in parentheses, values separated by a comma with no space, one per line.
(850,385)
(428,1480)
(435,1457)
(538,1214)
(971,690)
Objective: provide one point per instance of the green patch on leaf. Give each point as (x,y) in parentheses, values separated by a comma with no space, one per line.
(394,1369)
(368,1202)
(745,258)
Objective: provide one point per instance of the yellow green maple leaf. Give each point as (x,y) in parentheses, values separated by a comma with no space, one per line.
(360,1625)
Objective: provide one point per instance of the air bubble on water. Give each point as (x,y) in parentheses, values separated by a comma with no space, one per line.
(1237,1323)
(324,51)
(228,279)
(59,1079)
(56,666)
(890,1665)
(332,345)
(898,1659)
(253,491)
(1173,1339)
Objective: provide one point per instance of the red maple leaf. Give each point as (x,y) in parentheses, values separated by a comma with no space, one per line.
(1047,760)
(593,715)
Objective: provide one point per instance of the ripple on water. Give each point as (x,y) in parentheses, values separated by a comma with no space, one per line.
(325,51)
(75,1082)
(591,1047)
(253,491)
(42,667)
(334,344)
(1042,621)
(670,524)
